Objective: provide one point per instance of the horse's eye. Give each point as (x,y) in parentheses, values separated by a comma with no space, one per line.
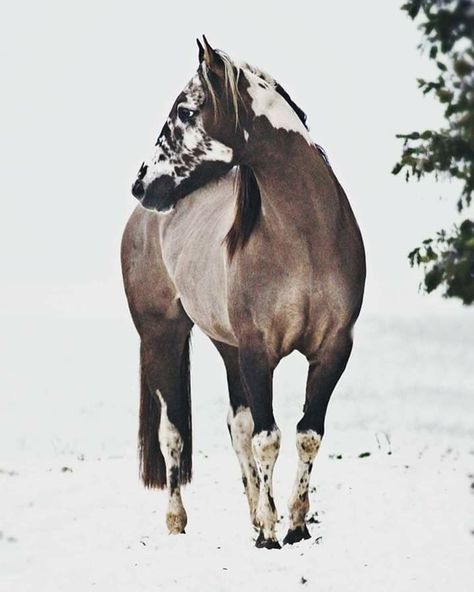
(185,114)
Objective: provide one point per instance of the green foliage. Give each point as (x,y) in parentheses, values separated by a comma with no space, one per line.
(449,262)
(448,28)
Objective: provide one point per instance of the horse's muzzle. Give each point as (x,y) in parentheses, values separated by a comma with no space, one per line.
(138,189)
(159,195)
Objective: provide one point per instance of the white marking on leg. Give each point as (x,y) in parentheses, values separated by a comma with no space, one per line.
(307,445)
(171,445)
(266,446)
(241,428)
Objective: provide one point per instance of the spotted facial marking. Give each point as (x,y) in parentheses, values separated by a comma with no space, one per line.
(183,144)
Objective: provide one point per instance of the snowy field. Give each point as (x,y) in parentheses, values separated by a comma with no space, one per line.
(74,516)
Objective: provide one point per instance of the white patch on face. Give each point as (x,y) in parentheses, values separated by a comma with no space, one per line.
(268,103)
(193,137)
(171,445)
(307,445)
(266,446)
(190,146)
(241,428)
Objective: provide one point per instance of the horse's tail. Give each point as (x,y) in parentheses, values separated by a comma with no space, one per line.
(152,462)
(186,461)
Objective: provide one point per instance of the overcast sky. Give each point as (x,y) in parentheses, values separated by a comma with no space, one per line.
(87,85)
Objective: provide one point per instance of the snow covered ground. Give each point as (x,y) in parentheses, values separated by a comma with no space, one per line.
(75,517)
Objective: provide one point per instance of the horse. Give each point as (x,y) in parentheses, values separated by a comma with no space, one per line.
(243,230)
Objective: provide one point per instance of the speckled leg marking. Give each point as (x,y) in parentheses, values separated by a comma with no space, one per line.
(171,445)
(266,446)
(307,445)
(241,428)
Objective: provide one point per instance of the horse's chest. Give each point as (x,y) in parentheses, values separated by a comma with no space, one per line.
(202,289)
(210,316)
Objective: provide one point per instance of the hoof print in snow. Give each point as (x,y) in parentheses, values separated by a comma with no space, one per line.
(296,535)
(263,543)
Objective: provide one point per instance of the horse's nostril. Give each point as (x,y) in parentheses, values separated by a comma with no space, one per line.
(138,190)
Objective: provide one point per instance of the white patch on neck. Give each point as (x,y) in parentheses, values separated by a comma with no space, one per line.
(268,103)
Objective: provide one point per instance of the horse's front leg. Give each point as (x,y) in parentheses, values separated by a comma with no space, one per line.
(324,371)
(240,424)
(256,374)
(307,446)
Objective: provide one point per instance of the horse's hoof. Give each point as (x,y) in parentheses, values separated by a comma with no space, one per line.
(296,535)
(176,523)
(263,543)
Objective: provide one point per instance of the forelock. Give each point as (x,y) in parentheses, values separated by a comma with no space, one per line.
(231,83)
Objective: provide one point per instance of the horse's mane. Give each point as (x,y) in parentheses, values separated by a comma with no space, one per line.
(231,83)
(249,202)
(247,211)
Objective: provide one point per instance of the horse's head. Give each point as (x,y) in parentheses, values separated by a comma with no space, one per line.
(211,127)
(201,138)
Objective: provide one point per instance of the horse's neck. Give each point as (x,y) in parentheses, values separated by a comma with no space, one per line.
(295,181)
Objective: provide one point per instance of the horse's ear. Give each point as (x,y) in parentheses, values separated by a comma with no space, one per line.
(213,59)
(201,51)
